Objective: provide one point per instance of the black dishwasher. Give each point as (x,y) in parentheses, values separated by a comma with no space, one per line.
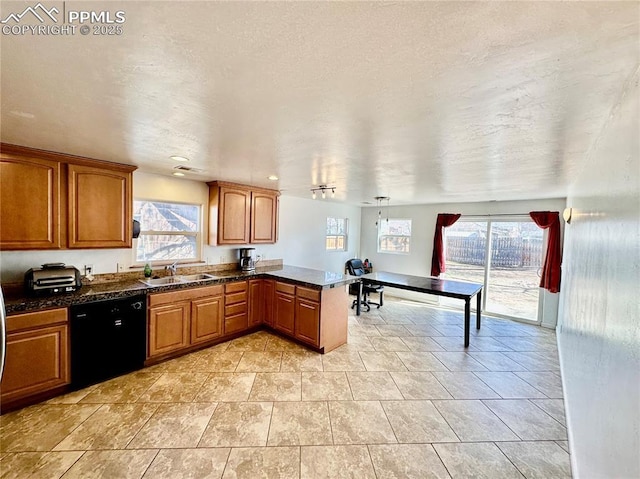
(108,338)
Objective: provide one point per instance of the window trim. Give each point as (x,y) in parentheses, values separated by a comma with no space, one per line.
(379,237)
(345,236)
(197,234)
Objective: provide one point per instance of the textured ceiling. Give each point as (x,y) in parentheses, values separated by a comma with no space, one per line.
(422,102)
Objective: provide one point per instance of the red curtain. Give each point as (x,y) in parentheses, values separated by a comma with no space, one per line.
(437,261)
(551,269)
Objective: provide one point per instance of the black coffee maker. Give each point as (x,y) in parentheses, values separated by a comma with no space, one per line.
(248,259)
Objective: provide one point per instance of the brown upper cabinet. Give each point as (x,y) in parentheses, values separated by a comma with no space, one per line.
(52,201)
(240,214)
(30,193)
(99,207)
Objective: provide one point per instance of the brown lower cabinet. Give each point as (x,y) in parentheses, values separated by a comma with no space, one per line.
(268,292)
(315,317)
(169,327)
(256,301)
(206,318)
(179,319)
(307,321)
(284,308)
(37,357)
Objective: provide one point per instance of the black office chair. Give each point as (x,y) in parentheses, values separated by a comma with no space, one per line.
(356,268)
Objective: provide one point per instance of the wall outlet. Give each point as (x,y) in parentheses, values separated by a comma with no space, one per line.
(88,269)
(120,267)
(222,259)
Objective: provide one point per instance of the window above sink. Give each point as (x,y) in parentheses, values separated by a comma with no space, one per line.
(168,231)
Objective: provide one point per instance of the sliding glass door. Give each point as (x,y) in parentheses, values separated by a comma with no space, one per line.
(505,255)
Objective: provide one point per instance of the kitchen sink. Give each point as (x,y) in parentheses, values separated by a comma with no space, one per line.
(197,277)
(163,281)
(187,278)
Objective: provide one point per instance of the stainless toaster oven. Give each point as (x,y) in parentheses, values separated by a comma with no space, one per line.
(52,278)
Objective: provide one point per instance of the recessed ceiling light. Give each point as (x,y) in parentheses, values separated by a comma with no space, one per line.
(179,158)
(273,178)
(178,173)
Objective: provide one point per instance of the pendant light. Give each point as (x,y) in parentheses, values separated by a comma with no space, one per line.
(379,203)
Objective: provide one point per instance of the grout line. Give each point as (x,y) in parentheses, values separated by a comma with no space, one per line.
(224,469)
(509,459)
(150,462)
(373,466)
(499,418)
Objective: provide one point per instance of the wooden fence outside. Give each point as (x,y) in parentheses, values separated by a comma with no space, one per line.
(507,252)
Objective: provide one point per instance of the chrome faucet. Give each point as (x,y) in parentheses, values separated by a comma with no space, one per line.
(172,268)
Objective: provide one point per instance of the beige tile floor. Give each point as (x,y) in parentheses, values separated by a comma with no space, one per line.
(402,399)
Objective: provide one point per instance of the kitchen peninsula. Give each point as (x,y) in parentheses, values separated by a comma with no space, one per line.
(306,305)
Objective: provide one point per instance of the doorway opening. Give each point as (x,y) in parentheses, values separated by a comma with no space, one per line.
(503,254)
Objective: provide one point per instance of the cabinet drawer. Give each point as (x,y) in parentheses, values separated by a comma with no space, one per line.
(36,319)
(235,298)
(285,288)
(184,295)
(235,287)
(239,322)
(240,308)
(307,293)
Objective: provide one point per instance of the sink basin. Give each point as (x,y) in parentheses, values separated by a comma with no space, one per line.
(181,279)
(197,277)
(163,281)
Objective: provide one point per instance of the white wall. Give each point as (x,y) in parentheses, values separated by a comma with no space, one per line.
(423,225)
(302,231)
(301,241)
(599,324)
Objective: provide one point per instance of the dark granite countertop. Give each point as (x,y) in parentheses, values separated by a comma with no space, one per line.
(310,278)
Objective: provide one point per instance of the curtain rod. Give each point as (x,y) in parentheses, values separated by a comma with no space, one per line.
(497,215)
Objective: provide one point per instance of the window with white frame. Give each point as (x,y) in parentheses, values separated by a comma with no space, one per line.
(168,231)
(336,239)
(394,235)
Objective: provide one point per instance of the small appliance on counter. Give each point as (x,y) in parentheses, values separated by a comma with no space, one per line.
(52,278)
(248,259)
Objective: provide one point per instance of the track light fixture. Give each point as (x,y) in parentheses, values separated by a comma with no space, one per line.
(323,191)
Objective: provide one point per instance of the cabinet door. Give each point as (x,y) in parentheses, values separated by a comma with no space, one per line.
(207,315)
(235,322)
(30,205)
(234,208)
(269,292)
(264,217)
(284,312)
(37,360)
(168,328)
(100,207)
(256,302)
(308,321)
